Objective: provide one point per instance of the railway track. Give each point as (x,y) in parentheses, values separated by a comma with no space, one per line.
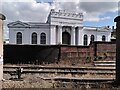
(57,67)
(74,79)
(64,76)
(62,70)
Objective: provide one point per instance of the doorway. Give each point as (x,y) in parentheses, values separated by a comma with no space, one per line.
(66,38)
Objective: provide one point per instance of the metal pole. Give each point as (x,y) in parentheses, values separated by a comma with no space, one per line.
(2,17)
(117,20)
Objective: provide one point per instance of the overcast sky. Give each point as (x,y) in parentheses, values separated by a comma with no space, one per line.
(96,12)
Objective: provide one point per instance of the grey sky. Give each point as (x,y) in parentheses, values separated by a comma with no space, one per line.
(30,10)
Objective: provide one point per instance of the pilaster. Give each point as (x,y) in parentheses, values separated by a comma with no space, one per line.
(53,35)
(73,35)
(59,34)
(80,36)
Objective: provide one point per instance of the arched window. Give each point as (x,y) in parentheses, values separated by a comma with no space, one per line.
(43,38)
(92,38)
(19,38)
(103,38)
(34,38)
(85,39)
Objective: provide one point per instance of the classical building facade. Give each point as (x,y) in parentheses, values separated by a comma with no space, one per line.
(61,27)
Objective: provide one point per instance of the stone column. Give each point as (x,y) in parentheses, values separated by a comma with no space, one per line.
(53,35)
(73,36)
(2,17)
(117,19)
(78,36)
(59,34)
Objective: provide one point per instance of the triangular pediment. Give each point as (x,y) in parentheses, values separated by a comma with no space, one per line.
(18,24)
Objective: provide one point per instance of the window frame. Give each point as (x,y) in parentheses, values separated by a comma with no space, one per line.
(85,40)
(92,38)
(34,38)
(43,38)
(103,38)
(18,38)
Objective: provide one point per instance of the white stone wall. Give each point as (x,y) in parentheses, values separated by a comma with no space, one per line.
(98,35)
(11,36)
(26,35)
(54,36)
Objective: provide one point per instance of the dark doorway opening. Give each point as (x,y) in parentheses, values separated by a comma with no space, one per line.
(66,38)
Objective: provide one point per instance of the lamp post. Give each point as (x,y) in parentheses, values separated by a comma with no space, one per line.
(2,17)
(117,20)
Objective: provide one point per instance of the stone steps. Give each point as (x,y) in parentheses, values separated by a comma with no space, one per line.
(104,63)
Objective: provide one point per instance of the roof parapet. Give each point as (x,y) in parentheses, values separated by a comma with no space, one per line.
(65,13)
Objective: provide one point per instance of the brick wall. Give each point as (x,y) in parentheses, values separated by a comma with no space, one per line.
(75,55)
(106,51)
(87,54)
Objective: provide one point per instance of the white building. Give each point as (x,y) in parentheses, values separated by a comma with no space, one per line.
(62,27)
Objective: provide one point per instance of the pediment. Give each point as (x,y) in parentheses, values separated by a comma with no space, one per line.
(18,24)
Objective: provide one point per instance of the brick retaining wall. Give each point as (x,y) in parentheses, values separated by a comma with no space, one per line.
(87,54)
(64,54)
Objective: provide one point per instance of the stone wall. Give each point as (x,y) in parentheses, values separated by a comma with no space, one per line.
(30,54)
(61,54)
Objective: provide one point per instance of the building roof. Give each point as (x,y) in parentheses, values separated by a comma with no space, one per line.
(27,24)
(104,28)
